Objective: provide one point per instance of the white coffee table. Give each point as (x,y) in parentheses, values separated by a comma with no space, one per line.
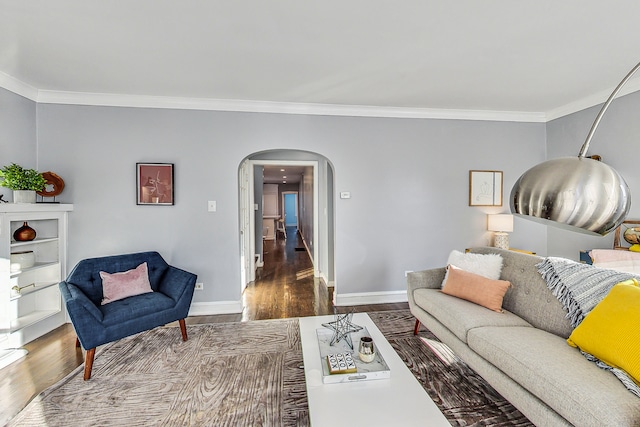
(396,401)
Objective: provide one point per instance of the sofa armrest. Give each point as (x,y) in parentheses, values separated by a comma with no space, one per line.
(431,279)
(175,282)
(425,279)
(77,303)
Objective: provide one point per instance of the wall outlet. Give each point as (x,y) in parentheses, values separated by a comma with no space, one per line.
(406,273)
(199,286)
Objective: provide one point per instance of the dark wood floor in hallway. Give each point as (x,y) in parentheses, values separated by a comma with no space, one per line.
(284,287)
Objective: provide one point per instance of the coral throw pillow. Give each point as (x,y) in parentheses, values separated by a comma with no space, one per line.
(611,331)
(116,286)
(475,288)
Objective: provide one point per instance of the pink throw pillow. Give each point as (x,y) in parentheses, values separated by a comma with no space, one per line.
(477,289)
(117,286)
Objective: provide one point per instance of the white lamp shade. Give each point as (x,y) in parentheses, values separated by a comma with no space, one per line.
(500,222)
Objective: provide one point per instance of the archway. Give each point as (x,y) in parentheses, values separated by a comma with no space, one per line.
(316,199)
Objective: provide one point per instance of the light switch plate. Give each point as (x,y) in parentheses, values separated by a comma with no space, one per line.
(212,206)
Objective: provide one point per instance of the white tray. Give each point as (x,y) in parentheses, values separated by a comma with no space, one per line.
(378,369)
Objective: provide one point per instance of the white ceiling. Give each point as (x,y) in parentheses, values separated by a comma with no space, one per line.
(273,174)
(547,57)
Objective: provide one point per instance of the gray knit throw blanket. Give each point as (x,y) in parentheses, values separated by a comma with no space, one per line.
(579,287)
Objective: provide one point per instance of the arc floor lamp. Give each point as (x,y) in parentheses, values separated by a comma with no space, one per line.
(575,193)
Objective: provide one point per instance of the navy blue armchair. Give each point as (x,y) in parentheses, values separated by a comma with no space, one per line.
(97,324)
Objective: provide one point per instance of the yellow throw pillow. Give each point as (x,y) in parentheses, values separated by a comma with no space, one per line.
(475,288)
(633,281)
(611,331)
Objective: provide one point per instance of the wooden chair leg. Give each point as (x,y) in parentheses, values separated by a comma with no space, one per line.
(77,342)
(416,328)
(88,362)
(183,329)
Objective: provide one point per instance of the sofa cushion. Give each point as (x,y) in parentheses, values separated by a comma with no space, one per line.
(475,288)
(528,285)
(135,307)
(558,375)
(460,316)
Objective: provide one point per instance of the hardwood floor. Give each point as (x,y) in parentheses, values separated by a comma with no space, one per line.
(284,287)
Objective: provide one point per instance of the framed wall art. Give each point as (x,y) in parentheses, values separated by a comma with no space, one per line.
(485,188)
(154,184)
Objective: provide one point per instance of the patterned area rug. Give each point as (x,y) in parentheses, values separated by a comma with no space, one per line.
(463,396)
(242,374)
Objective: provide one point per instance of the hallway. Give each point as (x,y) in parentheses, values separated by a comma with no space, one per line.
(285,286)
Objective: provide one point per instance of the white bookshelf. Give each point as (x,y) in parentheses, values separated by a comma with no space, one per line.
(30,301)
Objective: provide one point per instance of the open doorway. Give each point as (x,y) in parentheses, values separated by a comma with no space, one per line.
(310,214)
(290,208)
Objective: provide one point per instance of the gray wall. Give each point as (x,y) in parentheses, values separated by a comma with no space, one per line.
(408,180)
(18,143)
(616,140)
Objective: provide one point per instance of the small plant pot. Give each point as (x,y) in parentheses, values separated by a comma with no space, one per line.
(24,196)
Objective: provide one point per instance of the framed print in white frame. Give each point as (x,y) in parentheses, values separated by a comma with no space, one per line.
(485,188)
(154,184)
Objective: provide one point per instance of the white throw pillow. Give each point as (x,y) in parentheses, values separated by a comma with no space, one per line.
(486,265)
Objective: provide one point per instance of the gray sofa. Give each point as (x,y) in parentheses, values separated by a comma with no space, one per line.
(523,352)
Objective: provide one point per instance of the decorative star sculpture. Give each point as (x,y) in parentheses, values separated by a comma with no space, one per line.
(342,328)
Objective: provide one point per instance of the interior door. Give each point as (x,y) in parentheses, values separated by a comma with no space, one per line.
(247,247)
(291,210)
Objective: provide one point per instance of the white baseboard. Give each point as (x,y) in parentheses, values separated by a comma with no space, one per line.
(324,278)
(8,356)
(217,307)
(370,298)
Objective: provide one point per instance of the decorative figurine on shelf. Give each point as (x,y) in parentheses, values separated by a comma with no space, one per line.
(52,188)
(342,328)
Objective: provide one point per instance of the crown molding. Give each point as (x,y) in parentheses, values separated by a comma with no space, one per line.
(18,87)
(591,101)
(143,101)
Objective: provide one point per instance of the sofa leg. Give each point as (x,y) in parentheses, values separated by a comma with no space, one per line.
(88,362)
(77,342)
(416,328)
(183,329)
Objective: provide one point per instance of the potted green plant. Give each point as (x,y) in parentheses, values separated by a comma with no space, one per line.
(23,182)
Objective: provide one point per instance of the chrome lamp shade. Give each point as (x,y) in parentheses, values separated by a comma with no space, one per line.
(575,193)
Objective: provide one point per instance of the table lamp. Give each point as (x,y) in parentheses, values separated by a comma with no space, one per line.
(502,224)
